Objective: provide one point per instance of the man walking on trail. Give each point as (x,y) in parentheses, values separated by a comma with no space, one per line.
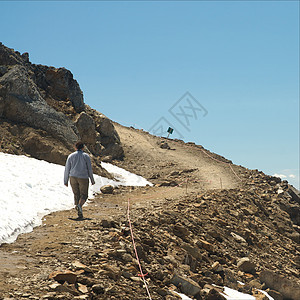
(79,169)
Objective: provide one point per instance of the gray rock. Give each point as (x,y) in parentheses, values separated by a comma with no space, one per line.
(105,127)
(287,288)
(216,267)
(244,264)
(9,56)
(113,149)
(238,238)
(187,286)
(295,194)
(22,102)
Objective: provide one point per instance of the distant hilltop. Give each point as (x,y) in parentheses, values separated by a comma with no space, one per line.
(42,113)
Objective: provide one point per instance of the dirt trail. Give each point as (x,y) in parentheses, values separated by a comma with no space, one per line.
(35,255)
(143,153)
(60,238)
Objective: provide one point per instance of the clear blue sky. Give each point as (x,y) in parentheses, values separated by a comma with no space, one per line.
(134,61)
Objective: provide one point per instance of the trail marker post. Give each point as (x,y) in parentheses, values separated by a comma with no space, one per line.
(170,131)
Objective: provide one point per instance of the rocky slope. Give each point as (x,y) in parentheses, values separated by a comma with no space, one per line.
(189,234)
(42,113)
(206,221)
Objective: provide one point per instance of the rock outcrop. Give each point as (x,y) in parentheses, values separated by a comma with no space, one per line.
(23,103)
(45,107)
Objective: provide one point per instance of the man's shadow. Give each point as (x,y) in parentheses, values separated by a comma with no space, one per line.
(79,219)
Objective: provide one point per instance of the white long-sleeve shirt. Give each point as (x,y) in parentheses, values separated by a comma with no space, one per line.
(78,165)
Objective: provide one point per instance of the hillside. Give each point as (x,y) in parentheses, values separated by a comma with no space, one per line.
(205,221)
(189,236)
(42,114)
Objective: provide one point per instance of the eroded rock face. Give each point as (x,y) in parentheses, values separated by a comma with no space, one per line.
(22,102)
(50,101)
(60,85)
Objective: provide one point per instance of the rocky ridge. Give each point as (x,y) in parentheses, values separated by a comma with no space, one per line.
(42,113)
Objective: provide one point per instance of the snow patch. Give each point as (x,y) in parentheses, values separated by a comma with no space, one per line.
(31,188)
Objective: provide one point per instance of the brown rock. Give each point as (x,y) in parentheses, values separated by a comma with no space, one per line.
(244,264)
(112,271)
(86,127)
(194,251)
(205,245)
(107,189)
(276,295)
(79,266)
(62,276)
(180,230)
(63,288)
(213,294)
(82,288)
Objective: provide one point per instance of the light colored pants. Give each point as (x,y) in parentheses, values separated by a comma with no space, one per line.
(80,188)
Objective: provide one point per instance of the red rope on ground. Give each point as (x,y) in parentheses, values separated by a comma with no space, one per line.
(234,172)
(223,163)
(136,254)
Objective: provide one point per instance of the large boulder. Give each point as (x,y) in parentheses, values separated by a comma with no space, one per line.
(86,127)
(287,288)
(187,285)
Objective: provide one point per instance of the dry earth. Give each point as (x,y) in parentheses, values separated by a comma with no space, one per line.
(189,224)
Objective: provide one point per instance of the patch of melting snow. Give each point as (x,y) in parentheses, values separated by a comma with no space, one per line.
(183,296)
(31,188)
(231,294)
(124,177)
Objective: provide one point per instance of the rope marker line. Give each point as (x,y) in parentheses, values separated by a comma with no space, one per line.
(136,254)
(223,163)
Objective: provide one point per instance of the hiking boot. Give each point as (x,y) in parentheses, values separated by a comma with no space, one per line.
(79,210)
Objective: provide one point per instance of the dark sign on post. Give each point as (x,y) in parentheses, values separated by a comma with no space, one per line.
(170,131)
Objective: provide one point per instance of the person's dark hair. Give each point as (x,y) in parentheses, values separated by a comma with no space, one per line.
(79,145)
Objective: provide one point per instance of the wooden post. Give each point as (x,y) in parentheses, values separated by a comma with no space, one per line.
(186,186)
